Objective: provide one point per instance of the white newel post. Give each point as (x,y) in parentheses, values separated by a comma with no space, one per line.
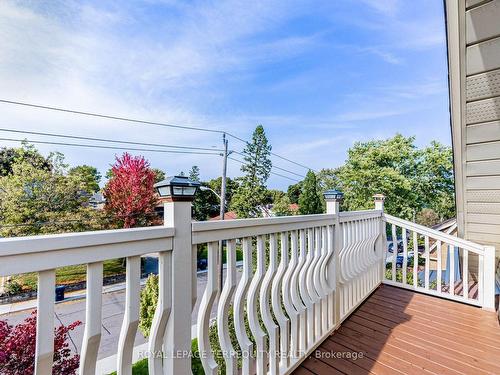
(489,278)
(177,214)
(333,199)
(382,240)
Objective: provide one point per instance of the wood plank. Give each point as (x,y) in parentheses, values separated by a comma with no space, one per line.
(472,3)
(484,182)
(400,331)
(483,219)
(483,56)
(483,151)
(481,23)
(483,168)
(483,237)
(484,228)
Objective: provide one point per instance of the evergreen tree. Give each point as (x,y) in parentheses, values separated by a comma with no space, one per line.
(309,199)
(252,190)
(194,173)
(89,176)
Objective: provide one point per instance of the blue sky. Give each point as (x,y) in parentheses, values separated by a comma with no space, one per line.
(319,75)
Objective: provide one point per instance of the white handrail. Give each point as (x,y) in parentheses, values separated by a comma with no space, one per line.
(460,242)
(464,258)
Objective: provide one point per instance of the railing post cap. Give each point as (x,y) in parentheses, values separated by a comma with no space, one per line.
(379,197)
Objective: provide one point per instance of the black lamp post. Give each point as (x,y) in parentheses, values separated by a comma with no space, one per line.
(333,194)
(177,188)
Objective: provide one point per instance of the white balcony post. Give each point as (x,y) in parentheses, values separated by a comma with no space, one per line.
(177,214)
(382,239)
(333,208)
(489,278)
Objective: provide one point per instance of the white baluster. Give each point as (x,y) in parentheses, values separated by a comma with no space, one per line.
(44,348)
(131,316)
(304,297)
(223,310)
(252,308)
(314,249)
(451,250)
(465,274)
(287,289)
(427,262)
(394,252)
(239,308)
(93,319)
(162,313)
(296,281)
(321,254)
(277,302)
(405,254)
(304,290)
(439,278)
(265,306)
(203,326)
(415,259)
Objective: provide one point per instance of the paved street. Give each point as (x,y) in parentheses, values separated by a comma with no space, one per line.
(112,316)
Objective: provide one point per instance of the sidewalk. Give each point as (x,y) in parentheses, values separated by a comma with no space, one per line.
(75,295)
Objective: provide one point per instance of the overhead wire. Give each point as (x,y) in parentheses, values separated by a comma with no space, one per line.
(155,123)
(57,135)
(273,173)
(110,147)
(275,166)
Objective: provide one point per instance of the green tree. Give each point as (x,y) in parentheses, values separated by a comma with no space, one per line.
(26,153)
(89,177)
(231,188)
(252,190)
(159,174)
(194,173)
(273,196)
(412,179)
(293,192)
(36,200)
(281,207)
(309,199)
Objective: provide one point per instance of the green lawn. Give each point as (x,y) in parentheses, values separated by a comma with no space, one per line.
(70,274)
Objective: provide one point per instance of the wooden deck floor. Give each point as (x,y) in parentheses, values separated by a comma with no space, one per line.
(402,332)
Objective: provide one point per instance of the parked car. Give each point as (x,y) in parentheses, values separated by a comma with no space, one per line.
(202,264)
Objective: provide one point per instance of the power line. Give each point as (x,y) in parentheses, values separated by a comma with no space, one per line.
(111,147)
(110,117)
(137,121)
(107,140)
(274,166)
(274,154)
(273,173)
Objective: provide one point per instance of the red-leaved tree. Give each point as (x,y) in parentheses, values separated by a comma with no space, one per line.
(130,195)
(17,348)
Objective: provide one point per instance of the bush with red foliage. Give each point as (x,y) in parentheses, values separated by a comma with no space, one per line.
(130,194)
(17,348)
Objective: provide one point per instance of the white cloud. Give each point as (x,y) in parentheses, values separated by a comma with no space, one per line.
(386,7)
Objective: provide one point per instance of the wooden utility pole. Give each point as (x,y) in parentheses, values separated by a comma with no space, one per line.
(222,206)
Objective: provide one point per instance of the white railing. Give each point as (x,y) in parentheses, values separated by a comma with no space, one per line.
(440,264)
(43,254)
(301,277)
(286,294)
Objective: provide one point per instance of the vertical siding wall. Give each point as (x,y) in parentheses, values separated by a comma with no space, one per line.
(481,122)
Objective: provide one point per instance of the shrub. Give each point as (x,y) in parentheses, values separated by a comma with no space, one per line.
(13,287)
(17,348)
(149,300)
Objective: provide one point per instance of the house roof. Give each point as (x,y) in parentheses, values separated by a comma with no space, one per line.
(227,216)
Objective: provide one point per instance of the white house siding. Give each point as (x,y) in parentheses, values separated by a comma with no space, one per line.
(474,62)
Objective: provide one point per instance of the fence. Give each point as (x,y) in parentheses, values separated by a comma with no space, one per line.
(301,277)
